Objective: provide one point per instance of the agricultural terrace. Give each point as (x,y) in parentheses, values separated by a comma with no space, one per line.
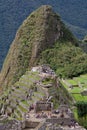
(77,87)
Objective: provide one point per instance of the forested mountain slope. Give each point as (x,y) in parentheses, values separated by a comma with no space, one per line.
(43,39)
(13,12)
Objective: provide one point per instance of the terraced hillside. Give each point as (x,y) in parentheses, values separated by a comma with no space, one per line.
(17,100)
(77,87)
(30,88)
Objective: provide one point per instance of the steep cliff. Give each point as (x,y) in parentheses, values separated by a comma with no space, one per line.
(38,32)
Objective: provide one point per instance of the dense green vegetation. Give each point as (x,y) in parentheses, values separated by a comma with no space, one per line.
(82,113)
(13,12)
(66,59)
(76,87)
(43,39)
(37,33)
(82,109)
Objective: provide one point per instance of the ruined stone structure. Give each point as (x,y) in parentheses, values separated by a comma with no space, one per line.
(6,124)
(43,106)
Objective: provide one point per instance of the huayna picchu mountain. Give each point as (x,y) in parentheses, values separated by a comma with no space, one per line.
(43,39)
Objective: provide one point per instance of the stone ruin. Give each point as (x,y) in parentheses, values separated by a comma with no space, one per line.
(43,106)
(65,111)
(6,124)
(58,122)
(60,119)
(45,70)
(61,116)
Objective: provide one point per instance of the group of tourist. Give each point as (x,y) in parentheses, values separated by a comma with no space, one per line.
(43,115)
(73,124)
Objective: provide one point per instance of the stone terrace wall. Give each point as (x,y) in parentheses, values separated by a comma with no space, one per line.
(65,121)
(43,127)
(11,125)
(43,106)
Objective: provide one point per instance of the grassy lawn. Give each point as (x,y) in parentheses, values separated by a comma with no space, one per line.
(81,83)
(72,82)
(75,90)
(79,97)
(82,80)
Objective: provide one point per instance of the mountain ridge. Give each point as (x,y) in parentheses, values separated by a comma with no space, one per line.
(38,32)
(42,30)
(13,13)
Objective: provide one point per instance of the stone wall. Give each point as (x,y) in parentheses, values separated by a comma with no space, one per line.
(43,106)
(30,124)
(42,126)
(64,121)
(10,125)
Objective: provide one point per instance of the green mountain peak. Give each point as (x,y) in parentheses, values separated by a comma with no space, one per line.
(42,30)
